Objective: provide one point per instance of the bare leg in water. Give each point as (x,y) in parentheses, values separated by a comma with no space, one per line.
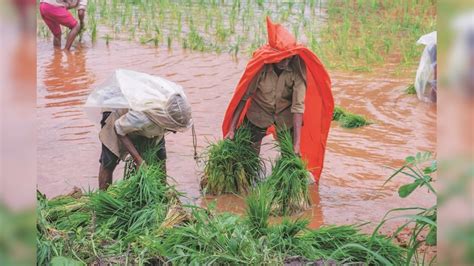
(105,177)
(71,36)
(57,41)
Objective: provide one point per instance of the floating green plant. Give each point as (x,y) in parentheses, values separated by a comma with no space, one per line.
(410,89)
(347,119)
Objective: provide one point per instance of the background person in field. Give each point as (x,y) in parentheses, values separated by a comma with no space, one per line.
(55,14)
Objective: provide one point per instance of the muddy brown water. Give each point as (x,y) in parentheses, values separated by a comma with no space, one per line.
(357,160)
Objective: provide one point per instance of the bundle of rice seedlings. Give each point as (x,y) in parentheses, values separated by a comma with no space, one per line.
(288,182)
(348,119)
(338,113)
(64,206)
(232,166)
(410,89)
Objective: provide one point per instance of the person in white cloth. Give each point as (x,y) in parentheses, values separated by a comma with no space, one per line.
(131,132)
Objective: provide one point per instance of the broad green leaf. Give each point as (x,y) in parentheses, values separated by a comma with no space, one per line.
(410,159)
(407,189)
(431,169)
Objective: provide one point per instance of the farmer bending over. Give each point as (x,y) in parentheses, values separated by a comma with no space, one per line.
(132,132)
(55,13)
(277,98)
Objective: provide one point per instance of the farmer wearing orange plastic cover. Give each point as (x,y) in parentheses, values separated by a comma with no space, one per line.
(284,85)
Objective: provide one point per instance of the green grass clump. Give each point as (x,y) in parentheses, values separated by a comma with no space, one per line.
(128,225)
(349,120)
(410,89)
(232,166)
(259,203)
(338,113)
(289,180)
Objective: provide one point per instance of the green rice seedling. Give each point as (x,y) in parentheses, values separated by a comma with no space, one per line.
(107,39)
(196,41)
(410,89)
(221,32)
(338,113)
(169,41)
(231,166)
(345,244)
(348,119)
(424,220)
(353,121)
(289,179)
(259,203)
(93,32)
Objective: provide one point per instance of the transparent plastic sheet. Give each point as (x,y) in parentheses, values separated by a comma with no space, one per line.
(161,100)
(425,83)
(460,73)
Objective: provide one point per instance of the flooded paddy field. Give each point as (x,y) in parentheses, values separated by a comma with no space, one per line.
(357,160)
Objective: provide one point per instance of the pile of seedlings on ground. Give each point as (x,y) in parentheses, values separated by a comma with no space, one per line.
(107,227)
(140,221)
(232,166)
(347,119)
(288,182)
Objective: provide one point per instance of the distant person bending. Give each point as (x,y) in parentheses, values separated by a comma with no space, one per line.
(55,13)
(277,94)
(132,132)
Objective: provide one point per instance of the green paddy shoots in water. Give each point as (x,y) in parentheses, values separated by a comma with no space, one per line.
(348,119)
(410,90)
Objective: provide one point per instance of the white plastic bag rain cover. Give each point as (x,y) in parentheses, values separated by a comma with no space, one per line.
(163,101)
(424,80)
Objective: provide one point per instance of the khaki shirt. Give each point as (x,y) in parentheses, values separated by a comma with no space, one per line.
(127,122)
(275,98)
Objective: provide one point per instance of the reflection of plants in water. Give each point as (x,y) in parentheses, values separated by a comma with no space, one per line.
(423,222)
(107,39)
